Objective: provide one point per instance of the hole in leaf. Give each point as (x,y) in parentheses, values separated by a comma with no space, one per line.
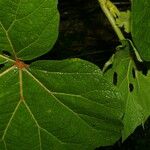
(144,71)
(6,53)
(1,66)
(133,73)
(115,78)
(131,87)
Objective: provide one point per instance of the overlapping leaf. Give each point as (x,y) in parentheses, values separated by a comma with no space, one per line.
(134,87)
(141,27)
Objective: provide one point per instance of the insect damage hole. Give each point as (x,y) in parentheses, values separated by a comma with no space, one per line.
(131,87)
(115,78)
(145,71)
(133,73)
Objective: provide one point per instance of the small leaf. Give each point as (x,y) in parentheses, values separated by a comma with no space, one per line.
(62,105)
(134,87)
(123,20)
(141,27)
(28,28)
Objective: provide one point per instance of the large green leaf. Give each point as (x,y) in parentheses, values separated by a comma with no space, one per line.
(134,87)
(58,105)
(50,105)
(28,28)
(141,27)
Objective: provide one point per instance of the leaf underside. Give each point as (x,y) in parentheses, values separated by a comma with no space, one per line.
(134,87)
(50,105)
(141,27)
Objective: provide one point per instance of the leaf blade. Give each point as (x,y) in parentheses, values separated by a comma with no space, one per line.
(64,120)
(34,25)
(132,84)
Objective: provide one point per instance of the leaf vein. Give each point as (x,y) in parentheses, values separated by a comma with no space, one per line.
(7,71)
(20,51)
(37,124)
(8,38)
(10,120)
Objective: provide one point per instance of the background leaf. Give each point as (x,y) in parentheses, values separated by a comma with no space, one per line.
(28,29)
(141,27)
(62,105)
(134,86)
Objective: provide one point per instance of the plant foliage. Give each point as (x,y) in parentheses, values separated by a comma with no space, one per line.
(50,105)
(134,87)
(129,72)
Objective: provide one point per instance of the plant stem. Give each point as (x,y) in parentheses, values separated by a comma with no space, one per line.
(111,19)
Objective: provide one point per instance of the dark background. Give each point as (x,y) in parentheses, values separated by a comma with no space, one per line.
(85,33)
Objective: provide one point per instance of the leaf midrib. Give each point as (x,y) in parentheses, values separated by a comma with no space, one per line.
(9,40)
(69,73)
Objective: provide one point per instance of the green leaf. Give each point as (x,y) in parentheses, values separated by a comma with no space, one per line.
(124,20)
(134,87)
(58,105)
(50,105)
(28,28)
(141,27)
